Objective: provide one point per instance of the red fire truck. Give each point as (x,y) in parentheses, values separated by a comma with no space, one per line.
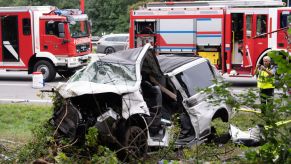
(234,35)
(43,38)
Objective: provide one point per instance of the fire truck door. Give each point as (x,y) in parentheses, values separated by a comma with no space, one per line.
(248,40)
(260,41)
(51,41)
(281,34)
(10,39)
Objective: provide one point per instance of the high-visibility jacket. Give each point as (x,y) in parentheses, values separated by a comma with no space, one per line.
(265,81)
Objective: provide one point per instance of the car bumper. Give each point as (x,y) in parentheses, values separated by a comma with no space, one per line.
(75,62)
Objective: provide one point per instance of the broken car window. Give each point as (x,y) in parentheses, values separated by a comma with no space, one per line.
(107,73)
(195,78)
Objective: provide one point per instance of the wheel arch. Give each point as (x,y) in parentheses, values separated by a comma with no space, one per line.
(41,56)
(47,68)
(260,58)
(137,120)
(221,113)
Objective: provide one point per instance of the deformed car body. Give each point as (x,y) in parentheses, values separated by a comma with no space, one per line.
(131,96)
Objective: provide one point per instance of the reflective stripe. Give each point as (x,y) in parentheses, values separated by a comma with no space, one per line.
(265,81)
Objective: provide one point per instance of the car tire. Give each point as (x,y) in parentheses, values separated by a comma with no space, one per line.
(135,143)
(109,50)
(46,68)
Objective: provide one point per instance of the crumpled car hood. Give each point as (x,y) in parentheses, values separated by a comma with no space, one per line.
(78,88)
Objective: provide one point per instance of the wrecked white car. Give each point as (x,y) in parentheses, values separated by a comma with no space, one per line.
(131,97)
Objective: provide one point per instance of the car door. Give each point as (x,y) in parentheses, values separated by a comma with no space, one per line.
(192,80)
(119,43)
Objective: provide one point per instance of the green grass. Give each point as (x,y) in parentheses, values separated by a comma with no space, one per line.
(242,120)
(17,120)
(229,151)
(215,153)
(245,120)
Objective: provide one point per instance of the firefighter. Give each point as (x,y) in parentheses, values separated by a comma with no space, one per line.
(266,80)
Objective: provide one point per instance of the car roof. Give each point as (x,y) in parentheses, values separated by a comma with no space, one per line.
(112,35)
(168,63)
(128,56)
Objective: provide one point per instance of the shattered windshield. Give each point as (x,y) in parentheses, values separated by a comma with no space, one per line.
(107,73)
(79,29)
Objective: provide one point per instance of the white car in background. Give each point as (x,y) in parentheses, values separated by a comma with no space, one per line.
(111,43)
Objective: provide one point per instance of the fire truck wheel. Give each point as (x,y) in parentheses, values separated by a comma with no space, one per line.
(47,69)
(109,50)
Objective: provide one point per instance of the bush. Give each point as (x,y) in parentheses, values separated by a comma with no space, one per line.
(38,146)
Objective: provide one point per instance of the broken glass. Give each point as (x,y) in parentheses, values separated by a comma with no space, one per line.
(107,73)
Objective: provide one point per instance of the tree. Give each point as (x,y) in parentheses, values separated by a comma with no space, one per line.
(109,16)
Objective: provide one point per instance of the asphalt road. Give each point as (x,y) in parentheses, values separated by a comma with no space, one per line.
(16,87)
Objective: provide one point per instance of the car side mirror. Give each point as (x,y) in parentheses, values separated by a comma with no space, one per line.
(61,35)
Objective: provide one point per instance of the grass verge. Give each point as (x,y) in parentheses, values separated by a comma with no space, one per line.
(17,120)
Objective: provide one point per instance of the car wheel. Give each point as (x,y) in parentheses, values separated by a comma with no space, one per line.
(109,50)
(46,68)
(135,143)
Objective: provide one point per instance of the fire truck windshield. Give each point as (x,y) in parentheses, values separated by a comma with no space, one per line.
(79,29)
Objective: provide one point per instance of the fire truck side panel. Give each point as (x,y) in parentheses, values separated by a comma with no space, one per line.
(234,36)
(209,38)
(176,35)
(209,31)
(16,39)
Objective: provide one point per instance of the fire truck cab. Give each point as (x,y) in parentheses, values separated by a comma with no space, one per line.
(233,35)
(45,39)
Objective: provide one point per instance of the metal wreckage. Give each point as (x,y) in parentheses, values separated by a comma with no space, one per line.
(131,97)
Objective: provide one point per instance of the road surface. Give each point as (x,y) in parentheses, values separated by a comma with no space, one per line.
(16,87)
